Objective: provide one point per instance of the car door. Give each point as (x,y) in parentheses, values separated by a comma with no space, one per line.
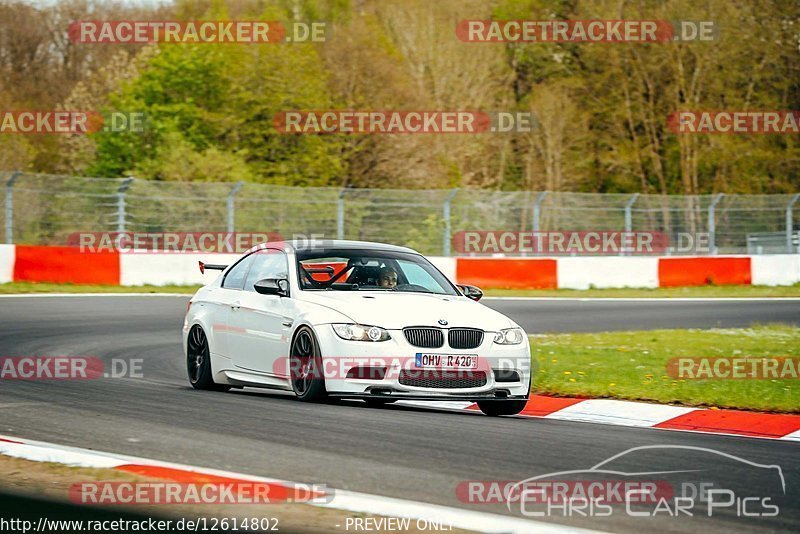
(221,299)
(259,325)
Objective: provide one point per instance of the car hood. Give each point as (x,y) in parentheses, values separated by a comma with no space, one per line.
(398,310)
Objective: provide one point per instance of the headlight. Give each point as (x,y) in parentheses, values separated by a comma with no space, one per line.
(360,332)
(509,336)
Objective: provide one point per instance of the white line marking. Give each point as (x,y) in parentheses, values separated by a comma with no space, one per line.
(41,451)
(662,429)
(794,436)
(621,413)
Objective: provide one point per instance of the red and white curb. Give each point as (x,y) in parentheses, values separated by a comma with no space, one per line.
(645,415)
(24,263)
(350,501)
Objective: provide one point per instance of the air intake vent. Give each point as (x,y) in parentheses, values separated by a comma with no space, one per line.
(506,375)
(429,338)
(439,379)
(465,338)
(367,373)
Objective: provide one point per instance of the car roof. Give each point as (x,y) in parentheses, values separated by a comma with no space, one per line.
(310,244)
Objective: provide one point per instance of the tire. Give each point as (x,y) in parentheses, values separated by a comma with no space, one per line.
(494,408)
(198,362)
(305,367)
(377,403)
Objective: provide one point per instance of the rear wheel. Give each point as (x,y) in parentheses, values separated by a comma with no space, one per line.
(198,361)
(305,367)
(495,408)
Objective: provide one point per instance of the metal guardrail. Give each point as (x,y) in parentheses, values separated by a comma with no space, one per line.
(45,209)
(773,243)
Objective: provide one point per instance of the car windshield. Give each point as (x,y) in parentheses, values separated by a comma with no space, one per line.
(365,270)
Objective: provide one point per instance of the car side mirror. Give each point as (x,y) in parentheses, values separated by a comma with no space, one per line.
(272,286)
(471,292)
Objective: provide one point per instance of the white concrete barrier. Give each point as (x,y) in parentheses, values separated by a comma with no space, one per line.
(446,265)
(6,263)
(775,270)
(607,271)
(583,272)
(161,269)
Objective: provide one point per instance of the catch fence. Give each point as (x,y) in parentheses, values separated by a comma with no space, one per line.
(46,209)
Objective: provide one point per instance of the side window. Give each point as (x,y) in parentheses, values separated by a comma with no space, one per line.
(235,277)
(267,264)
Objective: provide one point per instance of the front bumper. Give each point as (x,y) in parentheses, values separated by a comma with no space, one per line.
(396,355)
(428,396)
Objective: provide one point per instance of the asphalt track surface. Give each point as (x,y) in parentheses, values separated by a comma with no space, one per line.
(395,451)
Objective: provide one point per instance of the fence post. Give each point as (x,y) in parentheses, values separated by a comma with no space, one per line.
(537,211)
(123,188)
(447,228)
(712,225)
(628,207)
(340,214)
(232,208)
(10,207)
(789,223)
(628,218)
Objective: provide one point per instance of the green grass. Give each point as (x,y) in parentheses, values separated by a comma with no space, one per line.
(666,292)
(632,365)
(34,287)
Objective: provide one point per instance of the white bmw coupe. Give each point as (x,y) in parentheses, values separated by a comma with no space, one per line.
(352,319)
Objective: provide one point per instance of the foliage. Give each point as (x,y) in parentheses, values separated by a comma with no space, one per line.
(601,108)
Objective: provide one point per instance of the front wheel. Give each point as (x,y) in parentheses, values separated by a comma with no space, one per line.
(305,367)
(198,361)
(495,408)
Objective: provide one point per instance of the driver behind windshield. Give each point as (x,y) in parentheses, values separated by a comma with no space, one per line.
(387,278)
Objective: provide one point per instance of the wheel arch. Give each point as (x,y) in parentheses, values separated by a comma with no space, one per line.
(200,316)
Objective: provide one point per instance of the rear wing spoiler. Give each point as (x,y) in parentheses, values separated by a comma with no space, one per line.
(204,266)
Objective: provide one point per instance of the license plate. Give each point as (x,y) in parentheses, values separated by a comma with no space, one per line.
(446,361)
